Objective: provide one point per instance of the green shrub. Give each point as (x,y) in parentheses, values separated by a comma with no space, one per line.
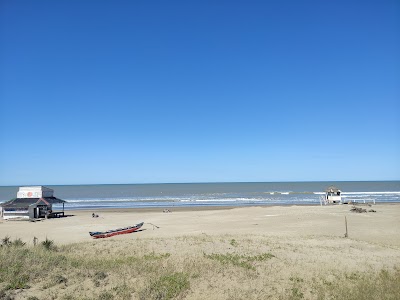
(154,256)
(59,279)
(18,243)
(100,275)
(6,241)
(48,244)
(233,242)
(18,282)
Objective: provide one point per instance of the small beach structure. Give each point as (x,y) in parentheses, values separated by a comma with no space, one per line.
(32,202)
(333,195)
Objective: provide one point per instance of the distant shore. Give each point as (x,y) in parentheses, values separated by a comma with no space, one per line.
(181,208)
(210,207)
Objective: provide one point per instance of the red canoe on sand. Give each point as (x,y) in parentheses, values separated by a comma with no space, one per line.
(106,234)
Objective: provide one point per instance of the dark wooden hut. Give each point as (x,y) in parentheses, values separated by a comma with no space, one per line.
(31,203)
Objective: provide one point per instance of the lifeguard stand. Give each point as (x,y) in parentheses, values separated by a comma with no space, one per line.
(333,195)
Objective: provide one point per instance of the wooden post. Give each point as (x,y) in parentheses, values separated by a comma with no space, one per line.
(345,221)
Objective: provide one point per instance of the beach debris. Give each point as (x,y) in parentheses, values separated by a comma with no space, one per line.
(166,211)
(154,226)
(94,215)
(358,209)
(30,220)
(372,210)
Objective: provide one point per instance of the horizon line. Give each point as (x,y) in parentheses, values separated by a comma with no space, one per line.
(198,182)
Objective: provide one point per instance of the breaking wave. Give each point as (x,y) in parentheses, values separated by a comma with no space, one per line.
(283,198)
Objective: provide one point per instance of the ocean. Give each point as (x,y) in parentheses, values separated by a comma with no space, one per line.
(211,194)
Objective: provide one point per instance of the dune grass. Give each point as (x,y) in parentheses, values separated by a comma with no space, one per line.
(378,285)
(182,268)
(244,261)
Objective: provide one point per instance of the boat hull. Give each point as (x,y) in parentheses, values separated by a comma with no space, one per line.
(110,233)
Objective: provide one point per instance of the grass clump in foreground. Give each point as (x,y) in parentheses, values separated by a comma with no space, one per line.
(49,244)
(166,287)
(381,285)
(19,264)
(7,242)
(14,275)
(244,261)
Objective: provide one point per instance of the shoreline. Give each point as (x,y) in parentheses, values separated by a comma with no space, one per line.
(212,207)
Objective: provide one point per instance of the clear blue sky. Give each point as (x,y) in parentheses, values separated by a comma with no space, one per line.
(199,91)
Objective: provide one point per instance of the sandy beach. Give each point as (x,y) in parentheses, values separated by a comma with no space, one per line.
(280,252)
(380,227)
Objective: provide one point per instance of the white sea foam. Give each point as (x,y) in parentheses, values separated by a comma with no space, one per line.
(152,199)
(261,198)
(279,193)
(371,193)
(224,200)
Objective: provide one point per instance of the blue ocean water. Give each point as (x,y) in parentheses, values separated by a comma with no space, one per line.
(212,194)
